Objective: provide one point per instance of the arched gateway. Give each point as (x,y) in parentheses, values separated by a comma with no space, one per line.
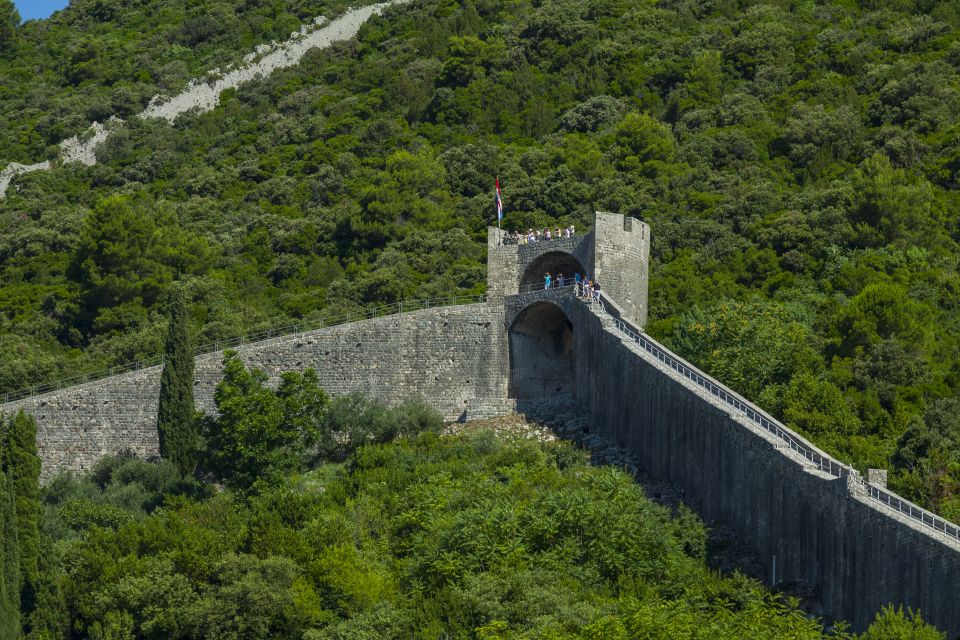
(541,348)
(541,352)
(554,263)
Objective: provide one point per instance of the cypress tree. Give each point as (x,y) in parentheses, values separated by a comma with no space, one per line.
(176,423)
(9,562)
(22,466)
(50,618)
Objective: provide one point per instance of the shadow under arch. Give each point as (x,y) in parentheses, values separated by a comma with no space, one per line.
(541,352)
(553,262)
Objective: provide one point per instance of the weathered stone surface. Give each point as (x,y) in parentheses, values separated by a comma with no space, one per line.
(621,257)
(454,356)
(822,530)
(877,477)
(615,254)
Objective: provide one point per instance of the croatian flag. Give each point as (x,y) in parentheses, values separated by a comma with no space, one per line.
(499,202)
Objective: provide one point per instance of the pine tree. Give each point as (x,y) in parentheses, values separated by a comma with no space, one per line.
(176,423)
(22,466)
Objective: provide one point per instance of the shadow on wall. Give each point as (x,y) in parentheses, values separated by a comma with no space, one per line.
(541,353)
(554,263)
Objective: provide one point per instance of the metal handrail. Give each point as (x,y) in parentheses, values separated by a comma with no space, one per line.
(750,411)
(541,286)
(308,324)
(569,282)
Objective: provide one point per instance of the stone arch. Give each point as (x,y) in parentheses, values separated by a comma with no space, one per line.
(541,352)
(553,262)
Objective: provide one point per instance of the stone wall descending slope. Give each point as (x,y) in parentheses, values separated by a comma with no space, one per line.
(816,528)
(15,169)
(455,357)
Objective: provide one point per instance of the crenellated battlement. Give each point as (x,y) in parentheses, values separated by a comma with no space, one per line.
(615,253)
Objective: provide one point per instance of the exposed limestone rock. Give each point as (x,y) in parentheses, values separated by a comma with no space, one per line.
(83,148)
(201,96)
(15,169)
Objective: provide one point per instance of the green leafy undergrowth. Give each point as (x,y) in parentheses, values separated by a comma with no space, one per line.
(430,537)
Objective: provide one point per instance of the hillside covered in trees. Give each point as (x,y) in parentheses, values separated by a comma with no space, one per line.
(798,162)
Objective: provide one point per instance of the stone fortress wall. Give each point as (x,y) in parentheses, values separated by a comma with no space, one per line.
(809,526)
(525,342)
(452,356)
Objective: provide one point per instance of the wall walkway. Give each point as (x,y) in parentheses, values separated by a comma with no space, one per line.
(806,513)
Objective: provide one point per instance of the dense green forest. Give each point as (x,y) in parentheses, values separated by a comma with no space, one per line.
(798,162)
(347,520)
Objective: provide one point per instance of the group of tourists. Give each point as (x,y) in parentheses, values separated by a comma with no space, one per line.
(533,236)
(583,286)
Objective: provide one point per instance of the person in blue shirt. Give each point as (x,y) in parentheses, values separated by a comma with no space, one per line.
(546,280)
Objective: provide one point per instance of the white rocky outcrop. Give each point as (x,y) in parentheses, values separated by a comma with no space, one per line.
(83,148)
(203,95)
(15,168)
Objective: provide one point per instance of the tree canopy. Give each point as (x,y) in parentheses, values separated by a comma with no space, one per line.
(465,536)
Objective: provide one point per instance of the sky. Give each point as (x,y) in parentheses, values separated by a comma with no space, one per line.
(38,8)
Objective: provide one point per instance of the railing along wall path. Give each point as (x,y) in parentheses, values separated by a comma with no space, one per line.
(737,404)
(812,456)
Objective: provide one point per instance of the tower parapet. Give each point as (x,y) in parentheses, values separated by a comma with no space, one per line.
(615,253)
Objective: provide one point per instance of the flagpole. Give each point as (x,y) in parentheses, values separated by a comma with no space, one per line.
(498,210)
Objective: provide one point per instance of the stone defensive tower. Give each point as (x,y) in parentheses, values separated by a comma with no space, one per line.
(540,345)
(615,253)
